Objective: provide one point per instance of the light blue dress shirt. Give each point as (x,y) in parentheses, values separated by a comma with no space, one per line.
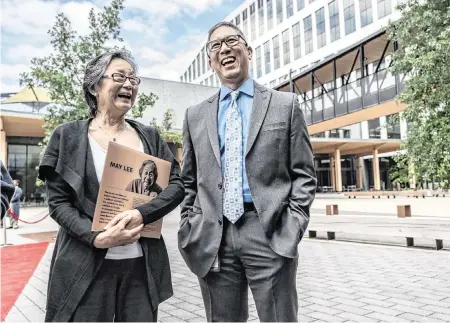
(245,105)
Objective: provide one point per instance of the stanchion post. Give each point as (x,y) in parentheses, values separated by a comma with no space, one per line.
(5,241)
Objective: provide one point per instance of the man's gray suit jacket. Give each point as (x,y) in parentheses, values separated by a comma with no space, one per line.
(280,171)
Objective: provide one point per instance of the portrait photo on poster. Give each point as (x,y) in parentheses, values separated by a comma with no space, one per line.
(146,184)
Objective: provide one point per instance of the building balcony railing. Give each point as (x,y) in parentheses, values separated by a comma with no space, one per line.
(363,93)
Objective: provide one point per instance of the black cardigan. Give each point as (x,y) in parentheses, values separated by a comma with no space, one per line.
(68,169)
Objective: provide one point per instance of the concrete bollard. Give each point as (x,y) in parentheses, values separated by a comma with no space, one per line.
(332,209)
(404,211)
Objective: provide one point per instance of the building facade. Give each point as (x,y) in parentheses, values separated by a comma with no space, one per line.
(335,55)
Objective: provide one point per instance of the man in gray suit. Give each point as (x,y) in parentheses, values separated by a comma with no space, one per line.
(249,181)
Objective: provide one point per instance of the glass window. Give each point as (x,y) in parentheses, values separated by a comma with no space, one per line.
(297,43)
(198,66)
(203,60)
(273,83)
(267,57)
(276,52)
(269,5)
(289,8)
(261,16)
(244,23)
(374,128)
(185,77)
(194,74)
(238,21)
(349,16)
(253,21)
(211,80)
(307,26)
(300,4)
(333,10)
(258,62)
(320,25)
(286,47)
(279,11)
(22,163)
(384,8)
(190,74)
(365,8)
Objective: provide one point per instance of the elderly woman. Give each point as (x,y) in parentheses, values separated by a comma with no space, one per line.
(113,275)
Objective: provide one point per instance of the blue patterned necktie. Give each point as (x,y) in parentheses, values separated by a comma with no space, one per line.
(233,201)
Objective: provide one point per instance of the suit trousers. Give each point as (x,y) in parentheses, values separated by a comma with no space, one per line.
(246,260)
(118,293)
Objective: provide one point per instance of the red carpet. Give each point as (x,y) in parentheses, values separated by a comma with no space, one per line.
(18,265)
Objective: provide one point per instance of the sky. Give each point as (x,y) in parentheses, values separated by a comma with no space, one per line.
(164,36)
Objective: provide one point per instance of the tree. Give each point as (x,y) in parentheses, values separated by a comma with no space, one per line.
(423,37)
(165,129)
(61,72)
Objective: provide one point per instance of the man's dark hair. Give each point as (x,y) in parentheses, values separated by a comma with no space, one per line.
(149,162)
(226,24)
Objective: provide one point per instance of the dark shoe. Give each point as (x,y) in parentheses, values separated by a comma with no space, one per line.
(9,227)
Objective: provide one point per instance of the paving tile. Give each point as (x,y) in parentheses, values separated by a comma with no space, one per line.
(412,310)
(382,310)
(376,302)
(171,319)
(385,318)
(439,316)
(16,317)
(182,314)
(305,318)
(34,314)
(355,317)
(352,309)
(325,317)
(437,309)
(23,301)
(355,303)
(323,309)
(418,318)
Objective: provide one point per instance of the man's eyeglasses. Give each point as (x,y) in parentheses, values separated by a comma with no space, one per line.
(231,41)
(121,78)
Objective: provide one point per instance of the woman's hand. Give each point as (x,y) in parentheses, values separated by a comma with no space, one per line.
(118,235)
(135,219)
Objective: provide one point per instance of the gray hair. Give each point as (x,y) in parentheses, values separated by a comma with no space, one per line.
(94,71)
(226,24)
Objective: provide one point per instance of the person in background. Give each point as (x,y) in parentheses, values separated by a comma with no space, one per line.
(111,275)
(250,181)
(15,205)
(7,189)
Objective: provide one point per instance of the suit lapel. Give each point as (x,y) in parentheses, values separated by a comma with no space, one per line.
(261,101)
(211,124)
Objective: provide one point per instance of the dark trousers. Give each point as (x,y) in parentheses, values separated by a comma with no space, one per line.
(246,259)
(118,293)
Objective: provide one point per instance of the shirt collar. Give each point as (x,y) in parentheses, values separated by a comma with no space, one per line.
(248,87)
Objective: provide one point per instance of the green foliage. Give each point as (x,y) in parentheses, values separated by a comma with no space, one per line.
(423,36)
(165,129)
(399,170)
(61,72)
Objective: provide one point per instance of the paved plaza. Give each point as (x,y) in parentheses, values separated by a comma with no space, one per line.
(336,281)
